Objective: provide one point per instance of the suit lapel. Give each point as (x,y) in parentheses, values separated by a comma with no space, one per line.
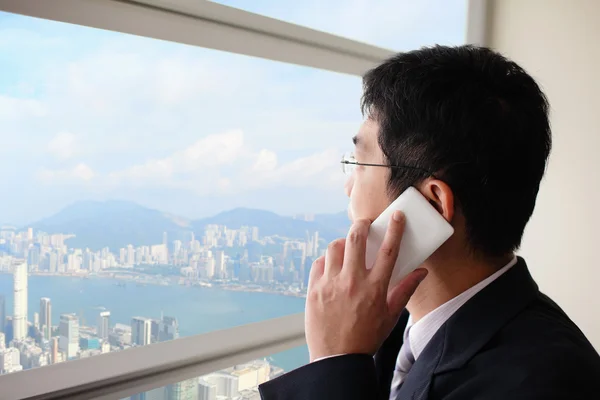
(463,335)
(475,323)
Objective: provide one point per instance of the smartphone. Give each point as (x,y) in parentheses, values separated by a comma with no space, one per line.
(424,232)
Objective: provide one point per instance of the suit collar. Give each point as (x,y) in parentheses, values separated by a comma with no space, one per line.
(463,335)
(478,320)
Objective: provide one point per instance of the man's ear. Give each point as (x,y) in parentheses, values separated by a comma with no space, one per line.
(440,196)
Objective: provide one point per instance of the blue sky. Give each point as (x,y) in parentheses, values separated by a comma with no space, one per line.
(89,114)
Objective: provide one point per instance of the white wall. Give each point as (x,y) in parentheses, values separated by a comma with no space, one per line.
(558,42)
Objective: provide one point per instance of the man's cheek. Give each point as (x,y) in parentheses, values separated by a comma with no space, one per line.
(350,212)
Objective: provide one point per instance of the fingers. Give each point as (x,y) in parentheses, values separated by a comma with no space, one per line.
(399,296)
(388,252)
(334,257)
(316,271)
(356,246)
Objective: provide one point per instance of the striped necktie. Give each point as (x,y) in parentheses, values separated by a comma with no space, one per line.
(403,364)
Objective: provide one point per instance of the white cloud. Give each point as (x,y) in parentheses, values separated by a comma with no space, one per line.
(63,146)
(80,173)
(266,160)
(12,108)
(317,170)
(204,157)
(217,164)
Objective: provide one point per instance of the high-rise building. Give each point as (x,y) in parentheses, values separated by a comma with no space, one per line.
(69,335)
(141,331)
(206,390)
(169,329)
(154,394)
(33,256)
(186,390)
(10,360)
(130,255)
(46,317)
(220,264)
(104,325)
(2,341)
(36,320)
(2,313)
(20,301)
(53,262)
(54,350)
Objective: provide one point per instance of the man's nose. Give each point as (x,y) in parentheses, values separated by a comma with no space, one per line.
(348,185)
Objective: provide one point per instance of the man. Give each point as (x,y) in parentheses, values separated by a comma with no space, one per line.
(469,129)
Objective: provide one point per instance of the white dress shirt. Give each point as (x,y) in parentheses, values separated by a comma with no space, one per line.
(421,332)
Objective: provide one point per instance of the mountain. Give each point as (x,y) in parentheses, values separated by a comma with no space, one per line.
(116,224)
(330,226)
(112,224)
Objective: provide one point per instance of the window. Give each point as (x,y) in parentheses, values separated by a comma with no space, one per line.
(394,24)
(158,190)
(154,190)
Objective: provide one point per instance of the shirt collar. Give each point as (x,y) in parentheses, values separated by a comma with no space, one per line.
(420,333)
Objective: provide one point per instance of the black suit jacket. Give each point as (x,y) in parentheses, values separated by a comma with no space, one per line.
(509,341)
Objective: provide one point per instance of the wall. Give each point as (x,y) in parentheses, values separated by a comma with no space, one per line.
(557,42)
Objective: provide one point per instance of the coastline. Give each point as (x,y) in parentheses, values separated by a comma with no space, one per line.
(139,279)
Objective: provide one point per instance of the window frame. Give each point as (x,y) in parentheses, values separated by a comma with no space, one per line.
(139,369)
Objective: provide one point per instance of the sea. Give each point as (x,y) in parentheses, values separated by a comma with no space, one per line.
(197,309)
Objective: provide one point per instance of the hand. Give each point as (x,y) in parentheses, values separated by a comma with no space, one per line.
(348,307)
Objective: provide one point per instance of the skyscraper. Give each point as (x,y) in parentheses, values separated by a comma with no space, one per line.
(220,264)
(36,320)
(206,390)
(186,390)
(2,313)
(69,335)
(169,329)
(141,331)
(104,324)
(46,317)
(20,301)
(54,347)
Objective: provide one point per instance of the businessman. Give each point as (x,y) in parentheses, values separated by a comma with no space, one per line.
(469,129)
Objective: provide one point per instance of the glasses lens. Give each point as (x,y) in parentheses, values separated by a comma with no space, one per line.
(348,163)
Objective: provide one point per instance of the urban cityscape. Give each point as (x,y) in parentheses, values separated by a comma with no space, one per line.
(230,259)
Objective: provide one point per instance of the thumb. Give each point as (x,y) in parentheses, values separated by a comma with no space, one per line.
(399,296)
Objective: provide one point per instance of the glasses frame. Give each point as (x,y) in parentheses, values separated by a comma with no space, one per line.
(349,160)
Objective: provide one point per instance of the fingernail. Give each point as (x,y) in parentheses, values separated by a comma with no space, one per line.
(423,275)
(398,216)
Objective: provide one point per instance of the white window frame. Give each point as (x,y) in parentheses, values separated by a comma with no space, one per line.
(211,25)
(124,373)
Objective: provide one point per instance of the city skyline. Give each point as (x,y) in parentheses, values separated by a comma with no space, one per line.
(72,340)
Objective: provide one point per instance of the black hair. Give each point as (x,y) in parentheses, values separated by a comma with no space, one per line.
(475,119)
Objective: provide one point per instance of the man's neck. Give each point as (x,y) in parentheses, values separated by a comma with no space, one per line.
(448,277)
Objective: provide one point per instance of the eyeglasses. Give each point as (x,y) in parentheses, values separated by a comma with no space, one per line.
(349,165)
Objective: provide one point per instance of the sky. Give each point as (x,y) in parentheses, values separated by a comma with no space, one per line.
(87,114)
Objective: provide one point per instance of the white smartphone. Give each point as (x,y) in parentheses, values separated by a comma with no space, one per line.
(424,232)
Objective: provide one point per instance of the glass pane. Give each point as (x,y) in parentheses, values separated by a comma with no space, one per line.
(157,190)
(239,382)
(395,24)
